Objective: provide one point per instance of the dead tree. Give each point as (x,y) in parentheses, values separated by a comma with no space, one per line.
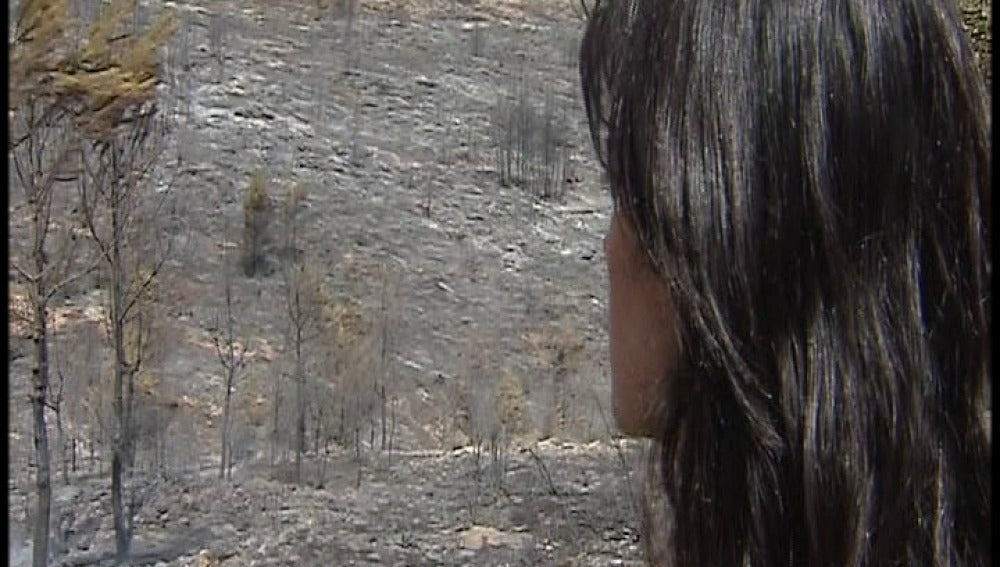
(122,133)
(232,357)
(56,403)
(48,266)
(386,336)
(41,143)
(302,307)
(111,188)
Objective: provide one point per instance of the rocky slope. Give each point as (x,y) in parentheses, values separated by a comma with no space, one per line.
(555,504)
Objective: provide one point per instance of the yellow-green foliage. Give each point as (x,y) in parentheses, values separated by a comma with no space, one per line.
(40,42)
(99,78)
(147,383)
(511,402)
(255,216)
(348,321)
(256,200)
(555,348)
(308,287)
(294,197)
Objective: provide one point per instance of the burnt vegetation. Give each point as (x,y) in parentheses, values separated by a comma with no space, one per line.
(210,311)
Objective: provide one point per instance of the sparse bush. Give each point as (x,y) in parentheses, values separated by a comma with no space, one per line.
(492,408)
(484,429)
(384,333)
(449,413)
(531,151)
(218,29)
(295,196)
(252,406)
(347,9)
(256,216)
(558,353)
(153,413)
(477,40)
(241,446)
(305,297)
(511,402)
(352,362)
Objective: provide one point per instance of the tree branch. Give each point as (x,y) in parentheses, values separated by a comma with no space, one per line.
(220,354)
(88,212)
(30,278)
(71,278)
(137,295)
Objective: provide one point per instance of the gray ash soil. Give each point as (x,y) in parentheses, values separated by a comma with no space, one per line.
(561,504)
(389,128)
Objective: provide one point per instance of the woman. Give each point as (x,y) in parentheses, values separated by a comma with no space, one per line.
(799,274)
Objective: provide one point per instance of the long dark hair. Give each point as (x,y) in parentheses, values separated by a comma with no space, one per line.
(811,178)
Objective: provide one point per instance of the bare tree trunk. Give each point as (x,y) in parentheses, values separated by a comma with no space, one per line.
(385,373)
(324,463)
(225,457)
(37,159)
(384,416)
(340,429)
(302,302)
(300,401)
(232,359)
(229,463)
(317,428)
(274,418)
(129,405)
(119,446)
(43,481)
(230,368)
(392,431)
(114,180)
(64,113)
(118,192)
(61,440)
(357,441)
(55,403)
(160,454)
(222,448)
